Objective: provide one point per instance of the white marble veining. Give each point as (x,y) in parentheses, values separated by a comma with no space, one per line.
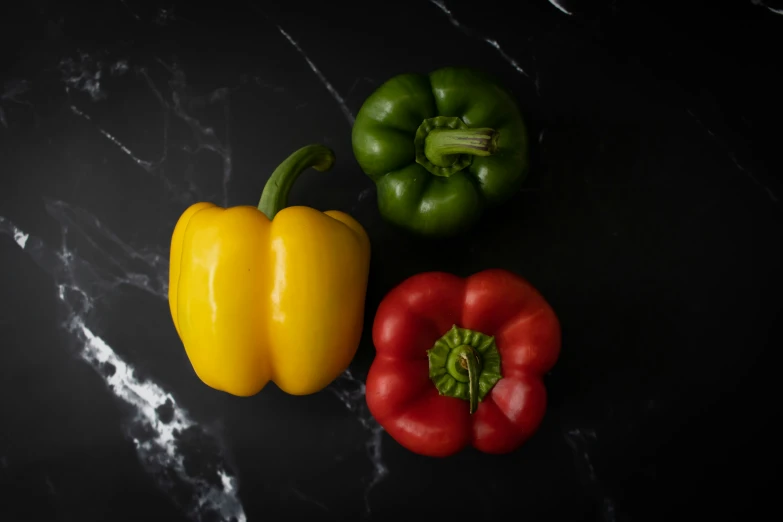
(146,165)
(494,43)
(329,87)
(147,269)
(577,440)
(20,237)
(776,10)
(205,136)
(86,73)
(132,13)
(772,196)
(307,498)
(12,90)
(580,440)
(161,430)
(351,391)
(85,76)
(560,6)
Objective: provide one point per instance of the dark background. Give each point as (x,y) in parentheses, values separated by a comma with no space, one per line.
(650,221)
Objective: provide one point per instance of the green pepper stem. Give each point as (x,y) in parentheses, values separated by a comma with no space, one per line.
(443,146)
(274,198)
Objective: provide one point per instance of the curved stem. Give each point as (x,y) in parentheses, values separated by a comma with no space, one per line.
(443,146)
(464,364)
(469,360)
(274,198)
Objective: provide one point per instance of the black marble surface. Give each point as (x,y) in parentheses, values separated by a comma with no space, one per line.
(651,221)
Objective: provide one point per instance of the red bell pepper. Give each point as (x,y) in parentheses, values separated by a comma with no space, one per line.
(460,362)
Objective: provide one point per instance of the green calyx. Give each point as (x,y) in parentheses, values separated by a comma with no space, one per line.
(464,364)
(445,144)
(274,198)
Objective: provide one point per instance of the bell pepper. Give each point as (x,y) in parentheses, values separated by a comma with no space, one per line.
(460,362)
(441,148)
(269,293)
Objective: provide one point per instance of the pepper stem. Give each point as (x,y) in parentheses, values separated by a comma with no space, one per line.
(445,145)
(274,198)
(469,360)
(464,364)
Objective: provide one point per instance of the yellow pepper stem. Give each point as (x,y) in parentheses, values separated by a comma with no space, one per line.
(275,195)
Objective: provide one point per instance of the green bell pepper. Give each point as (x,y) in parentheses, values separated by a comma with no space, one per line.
(441,148)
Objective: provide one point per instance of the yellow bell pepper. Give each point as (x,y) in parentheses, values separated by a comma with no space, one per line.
(269,293)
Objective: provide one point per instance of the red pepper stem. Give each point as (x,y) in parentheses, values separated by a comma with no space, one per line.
(469,360)
(464,364)
(275,195)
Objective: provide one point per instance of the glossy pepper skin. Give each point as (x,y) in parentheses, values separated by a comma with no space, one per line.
(269,293)
(495,317)
(440,148)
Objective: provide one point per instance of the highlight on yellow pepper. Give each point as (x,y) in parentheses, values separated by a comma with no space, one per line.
(272,293)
